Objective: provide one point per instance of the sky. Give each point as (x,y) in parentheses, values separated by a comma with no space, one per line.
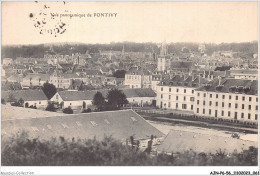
(202,22)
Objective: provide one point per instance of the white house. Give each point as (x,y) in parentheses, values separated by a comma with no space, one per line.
(30,97)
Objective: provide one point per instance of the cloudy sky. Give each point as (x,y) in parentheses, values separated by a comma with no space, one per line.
(214,22)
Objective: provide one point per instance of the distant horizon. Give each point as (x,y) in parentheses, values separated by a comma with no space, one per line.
(113,42)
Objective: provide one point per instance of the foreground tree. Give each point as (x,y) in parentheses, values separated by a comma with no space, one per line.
(50,107)
(99,101)
(49,90)
(68,110)
(116,98)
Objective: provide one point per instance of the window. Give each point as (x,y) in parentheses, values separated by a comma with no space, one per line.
(93,123)
(242,115)
(243,106)
(177,97)
(198,94)
(230,97)
(256,116)
(235,115)
(192,91)
(40,102)
(216,95)
(57,96)
(161,95)
(161,88)
(177,90)
(256,99)
(64,125)
(256,107)
(223,96)
(243,98)
(176,105)
(170,89)
(204,103)
(198,102)
(184,98)
(236,105)
(184,90)
(210,103)
(249,107)
(203,111)
(210,95)
(169,97)
(250,98)
(236,97)
(229,105)
(198,110)
(216,103)
(223,104)
(222,113)
(204,95)
(78,123)
(191,107)
(34,129)
(249,116)
(229,113)
(209,111)
(184,106)
(191,98)
(169,104)
(70,103)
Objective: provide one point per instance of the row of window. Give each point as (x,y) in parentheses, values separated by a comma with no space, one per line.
(177,90)
(228,114)
(177,98)
(229,105)
(230,97)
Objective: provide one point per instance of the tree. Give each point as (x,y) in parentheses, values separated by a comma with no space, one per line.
(119,74)
(11,98)
(49,90)
(50,107)
(20,102)
(68,110)
(99,101)
(116,98)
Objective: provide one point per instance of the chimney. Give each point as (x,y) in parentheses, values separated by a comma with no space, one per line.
(219,80)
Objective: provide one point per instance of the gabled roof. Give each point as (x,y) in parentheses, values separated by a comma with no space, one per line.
(180,141)
(119,124)
(138,71)
(26,95)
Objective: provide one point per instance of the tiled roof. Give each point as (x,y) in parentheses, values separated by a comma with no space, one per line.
(187,81)
(232,85)
(37,76)
(26,95)
(180,141)
(119,124)
(138,71)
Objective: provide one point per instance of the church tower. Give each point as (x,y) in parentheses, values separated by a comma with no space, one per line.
(163,60)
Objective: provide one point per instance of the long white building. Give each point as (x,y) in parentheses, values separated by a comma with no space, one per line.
(233,99)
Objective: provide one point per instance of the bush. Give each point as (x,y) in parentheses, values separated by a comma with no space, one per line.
(51,107)
(86,110)
(23,151)
(33,107)
(68,110)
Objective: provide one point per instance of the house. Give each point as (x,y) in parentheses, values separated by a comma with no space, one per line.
(138,77)
(230,99)
(178,92)
(245,74)
(120,125)
(7,61)
(83,99)
(180,141)
(5,85)
(35,97)
(35,79)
